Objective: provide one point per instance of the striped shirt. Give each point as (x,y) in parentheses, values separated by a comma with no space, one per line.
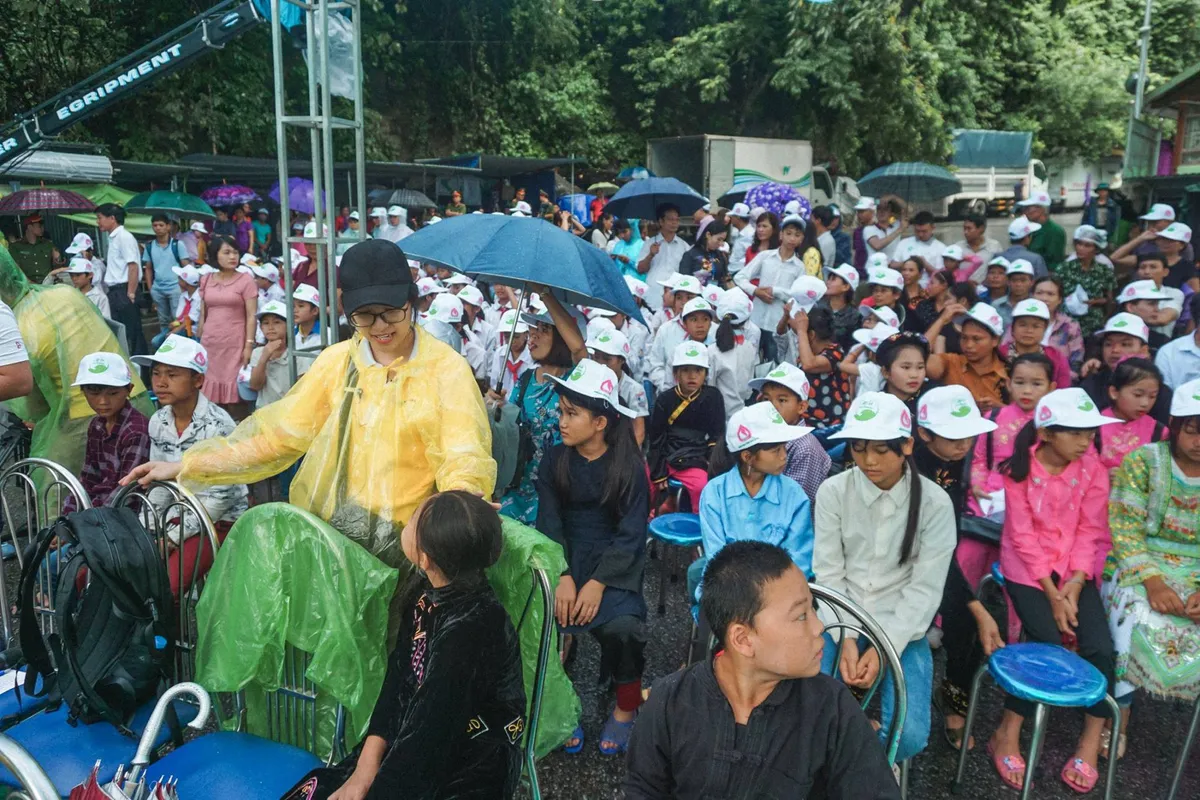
(209,421)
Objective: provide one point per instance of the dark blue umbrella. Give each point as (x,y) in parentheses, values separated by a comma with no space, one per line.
(914,181)
(520,250)
(642,198)
(636,172)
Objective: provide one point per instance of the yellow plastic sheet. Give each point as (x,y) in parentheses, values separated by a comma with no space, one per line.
(60,326)
(376,441)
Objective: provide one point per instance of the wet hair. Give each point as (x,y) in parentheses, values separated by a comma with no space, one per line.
(890,349)
(734,581)
(1176,428)
(461,534)
(722,459)
(1132,370)
(1017,466)
(1037,360)
(625,461)
(773,242)
(914,498)
(820,322)
(112,210)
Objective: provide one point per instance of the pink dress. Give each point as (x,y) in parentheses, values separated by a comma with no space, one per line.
(1118,441)
(224,333)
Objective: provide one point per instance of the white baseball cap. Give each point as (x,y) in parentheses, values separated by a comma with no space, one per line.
(847,273)
(865,204)
(876,417)
(886,276)
(354,216)
(177,351)
(522,207)
(248,260)
(806,291)
(1036,199)
(698,304)
(197,227)
(1128,324)
(883,314)
(688,283)
(950,412)
(596,381)
(735,304)
(1159,212)
(395,211)
(272,307)
(446,308)
(791,208)
(787,375)
(297,258)
(80,266)
(307,294)
(793,219)
(877,261)
(265,271)
(1000,261)
(1021,227)
(873,337)
(1070,408)
(458,279)
(1090,233)
(740,210)
(189,275)
(833,209)
(953,251)
(428,286)
(690,354)
(1177,232)
(671,280)
(208,269)
(637,288)
(597,326)
(102,369)
(1031,307)
(988,317)
(1185,402)
(712,293)
(759,424)
(508,319)
(378,211)
(1019,266)
(609,342)
(1140,290)
(80,243)
(472,295)
(756,212)
(310,229)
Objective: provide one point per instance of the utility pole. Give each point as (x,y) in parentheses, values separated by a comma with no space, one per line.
(1140,93)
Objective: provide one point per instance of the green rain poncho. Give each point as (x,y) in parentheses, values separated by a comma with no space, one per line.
(60,326)
(285,577)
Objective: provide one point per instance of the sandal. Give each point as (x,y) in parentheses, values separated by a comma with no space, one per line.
(616,735)
(577,735)
(1085,769)
(954,736)
(1006,765)
(1106,742)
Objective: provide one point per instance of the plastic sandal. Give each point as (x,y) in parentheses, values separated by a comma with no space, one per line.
(578,737)
(1006,765)
(616,734)
(1085,769)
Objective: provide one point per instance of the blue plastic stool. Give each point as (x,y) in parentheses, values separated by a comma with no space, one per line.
(1047,675)
(675,530)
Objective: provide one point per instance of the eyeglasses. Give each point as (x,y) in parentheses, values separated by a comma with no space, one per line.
(365,319)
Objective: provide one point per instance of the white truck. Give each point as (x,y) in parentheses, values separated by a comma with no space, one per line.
(990,165)
(1072,181)
(719,167)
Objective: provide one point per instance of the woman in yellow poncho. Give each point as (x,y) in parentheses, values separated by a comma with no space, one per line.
(382,421)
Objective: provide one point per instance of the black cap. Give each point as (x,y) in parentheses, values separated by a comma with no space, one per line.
(374,271)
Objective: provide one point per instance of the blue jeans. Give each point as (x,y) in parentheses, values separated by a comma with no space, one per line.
(165,299)
(917,663)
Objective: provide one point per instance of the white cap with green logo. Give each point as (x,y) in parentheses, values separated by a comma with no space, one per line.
(759,424)
(596,381)
(1069,408)
(950,412)
(103,369)
(690,354)
(1031,308)
(1185,402)
(876,417)
(787,375)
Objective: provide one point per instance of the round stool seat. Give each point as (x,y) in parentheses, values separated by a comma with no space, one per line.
(677,529)
(1047,674)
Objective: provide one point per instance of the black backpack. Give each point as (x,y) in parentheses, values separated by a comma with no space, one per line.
(114,613)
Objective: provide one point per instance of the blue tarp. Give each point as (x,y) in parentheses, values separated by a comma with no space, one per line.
(983,149)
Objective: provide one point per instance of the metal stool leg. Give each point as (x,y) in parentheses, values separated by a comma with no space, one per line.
(1116,740)
(904,779)
(1035,749)
(956,787)
(1188,741)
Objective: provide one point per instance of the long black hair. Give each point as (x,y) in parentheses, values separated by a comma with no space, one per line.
(1017,467)
(1132,370)
(721,459)
(890,349)
(1176,428)
(626,457)
(725,337)
(1036,359)
(914,498)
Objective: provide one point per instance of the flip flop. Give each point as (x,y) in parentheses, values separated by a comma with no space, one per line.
(616,735)
(578,737)
(1085,769)
(1008,764)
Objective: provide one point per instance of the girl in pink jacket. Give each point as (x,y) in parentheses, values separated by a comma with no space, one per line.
(1133,390)
(1055,531)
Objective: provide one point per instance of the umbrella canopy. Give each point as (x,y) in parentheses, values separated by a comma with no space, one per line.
(634,173)
(774,197)
(603,187)
(228,194)
(300,195)
(520,250)
(913,181)
(52,201)
(640,199)
(161,202)
(409,198)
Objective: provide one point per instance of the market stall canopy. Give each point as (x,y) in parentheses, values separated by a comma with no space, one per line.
(53,165)
(101,193)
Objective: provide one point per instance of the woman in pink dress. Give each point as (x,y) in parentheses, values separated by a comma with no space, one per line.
(226,322)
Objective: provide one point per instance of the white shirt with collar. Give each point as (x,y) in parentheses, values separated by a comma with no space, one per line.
(100,300)
(122,250)
(662,351)
(875,229)
(828,247)
(741,243)
(1179,360)
(772,272)
(859,530)
(499,371)
(662,265)
(931,251)
(12,346)
(1174,300)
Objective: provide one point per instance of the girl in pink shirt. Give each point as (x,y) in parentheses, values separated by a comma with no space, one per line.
(1030,320)
(1055,528)
(1133,390)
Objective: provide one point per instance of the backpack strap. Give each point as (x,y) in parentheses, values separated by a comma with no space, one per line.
(523,387)
(175,252)
(990,448)
(33,643)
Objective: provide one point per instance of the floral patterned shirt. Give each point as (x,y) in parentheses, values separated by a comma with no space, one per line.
(1098,281)
(1153,512)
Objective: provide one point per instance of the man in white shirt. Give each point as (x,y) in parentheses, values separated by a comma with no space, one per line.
(741,237)
(876,238)
(121,270)
(16,378)
(1179,359)
(661,254)
(975,240)
(922,243)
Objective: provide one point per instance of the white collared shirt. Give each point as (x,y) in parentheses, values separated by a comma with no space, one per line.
(931,251)
(1179,360)
(100,300)
(875,229)
(666,262)
(499,371)
(774,273)
(662,352)
(122,251)
(741,243)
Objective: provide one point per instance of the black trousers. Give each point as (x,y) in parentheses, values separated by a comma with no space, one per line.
(622,643)
(1094,640)
(960,640)
(128,315)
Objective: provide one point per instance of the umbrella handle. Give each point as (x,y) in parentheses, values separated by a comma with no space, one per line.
(142,758)
(511,334)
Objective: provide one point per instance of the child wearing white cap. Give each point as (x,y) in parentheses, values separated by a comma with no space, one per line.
(1052,550)
(612,349)
(1144,299)
(187,307)
(511,360)
(269,374)
(771,273)
(306,314)
(1125,335)
(118,437)
(819,356)
(786,388)
(866,376)
(840,284)
(979,366)
(1152,266)
(734,352)
(594,500)
(694,324)
(1030,321)
(884,538)
(82,275)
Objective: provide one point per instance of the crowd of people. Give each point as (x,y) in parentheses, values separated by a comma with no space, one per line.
(864,407)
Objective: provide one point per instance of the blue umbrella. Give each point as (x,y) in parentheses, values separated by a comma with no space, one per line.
(634,173)
(913,181)
(642,198)
(522,250)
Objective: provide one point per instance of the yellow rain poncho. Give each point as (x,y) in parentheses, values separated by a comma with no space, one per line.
(60,326)
(374,446)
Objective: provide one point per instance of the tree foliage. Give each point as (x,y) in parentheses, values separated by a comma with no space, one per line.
(868,81)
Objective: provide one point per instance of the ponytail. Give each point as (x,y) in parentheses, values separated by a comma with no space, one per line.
(721,460)
(914,512)
(724,337)
(1017,466)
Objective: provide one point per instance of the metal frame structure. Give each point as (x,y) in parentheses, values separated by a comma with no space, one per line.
(34,783)
(320,122)
(545,646)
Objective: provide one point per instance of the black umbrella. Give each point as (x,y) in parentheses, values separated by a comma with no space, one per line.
(409,198)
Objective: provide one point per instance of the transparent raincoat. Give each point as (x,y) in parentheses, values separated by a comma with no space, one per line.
(60,326)
(375,440)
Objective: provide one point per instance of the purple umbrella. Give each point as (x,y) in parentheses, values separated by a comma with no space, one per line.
(300,195)
(228,194)
(774,196)
(55,201)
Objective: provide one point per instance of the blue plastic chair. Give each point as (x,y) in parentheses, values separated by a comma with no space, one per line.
(674,530)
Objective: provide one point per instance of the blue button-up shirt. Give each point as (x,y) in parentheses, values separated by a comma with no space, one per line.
(779,514)
(1179,360)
